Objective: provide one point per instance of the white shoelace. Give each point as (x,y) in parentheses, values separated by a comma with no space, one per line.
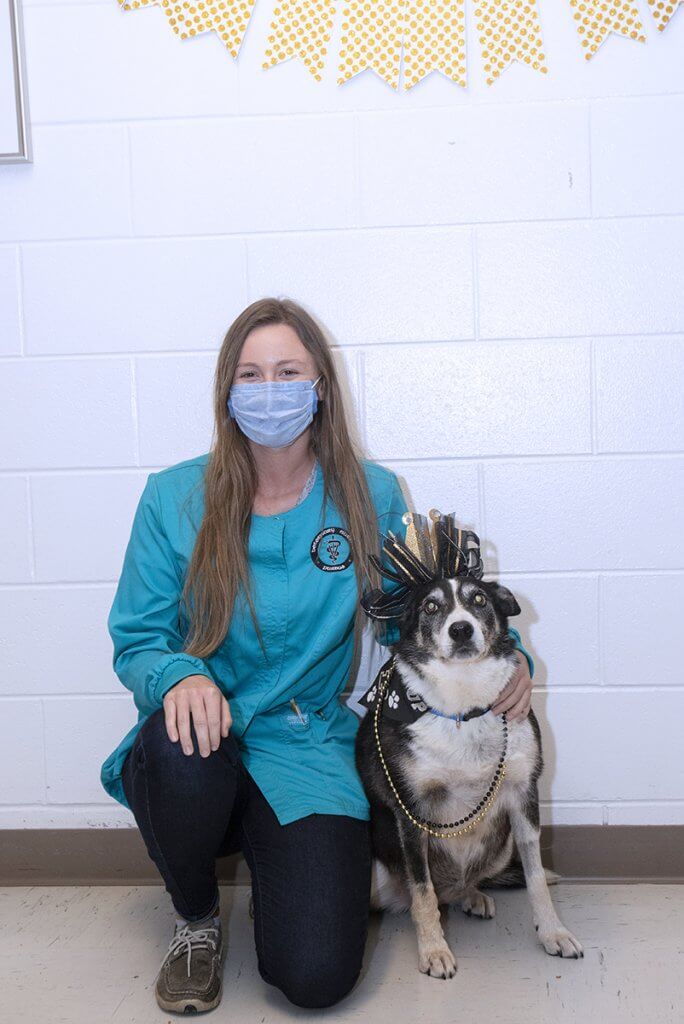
(199,938)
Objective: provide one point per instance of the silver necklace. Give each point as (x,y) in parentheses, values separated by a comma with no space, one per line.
(308,485)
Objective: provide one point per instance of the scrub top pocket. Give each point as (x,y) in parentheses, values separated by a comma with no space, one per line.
(298,723)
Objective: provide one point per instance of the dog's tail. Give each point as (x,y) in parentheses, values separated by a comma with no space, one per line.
(513,876)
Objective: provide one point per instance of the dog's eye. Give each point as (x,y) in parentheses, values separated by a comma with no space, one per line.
(431,607)
(480,598)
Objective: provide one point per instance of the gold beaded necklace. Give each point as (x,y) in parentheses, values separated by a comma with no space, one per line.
(484,805)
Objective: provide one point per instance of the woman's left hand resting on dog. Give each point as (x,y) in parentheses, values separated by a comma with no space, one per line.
(516,697)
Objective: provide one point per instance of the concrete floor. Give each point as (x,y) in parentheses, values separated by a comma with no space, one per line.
(91,954)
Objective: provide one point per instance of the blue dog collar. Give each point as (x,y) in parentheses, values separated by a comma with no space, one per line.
(473,713)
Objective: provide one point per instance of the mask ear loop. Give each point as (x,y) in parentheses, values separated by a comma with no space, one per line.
(313,388)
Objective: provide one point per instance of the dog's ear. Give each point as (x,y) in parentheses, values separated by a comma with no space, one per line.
(504,600)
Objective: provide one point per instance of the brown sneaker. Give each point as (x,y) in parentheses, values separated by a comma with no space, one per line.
(190,979)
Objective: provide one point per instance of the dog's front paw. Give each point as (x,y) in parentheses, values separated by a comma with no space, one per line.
(561,942)
(438,962)
(479,904)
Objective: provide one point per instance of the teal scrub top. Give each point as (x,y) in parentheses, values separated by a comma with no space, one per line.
(305,601)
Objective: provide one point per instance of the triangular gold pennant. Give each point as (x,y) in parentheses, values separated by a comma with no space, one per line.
(228,18)
(371,38)
(509,30)
(662,11)
(434,40)
(596,19)
(301,28)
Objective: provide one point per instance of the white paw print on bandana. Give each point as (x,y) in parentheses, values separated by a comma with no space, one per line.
(393,699)
(371,695)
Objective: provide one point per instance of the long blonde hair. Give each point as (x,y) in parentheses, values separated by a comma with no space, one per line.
(219,562)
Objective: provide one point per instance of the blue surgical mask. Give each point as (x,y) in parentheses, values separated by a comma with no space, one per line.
(273,413)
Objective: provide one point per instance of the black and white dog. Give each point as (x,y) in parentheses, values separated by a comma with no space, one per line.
(454,656)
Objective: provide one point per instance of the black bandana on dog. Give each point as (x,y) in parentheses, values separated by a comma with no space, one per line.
(403,704)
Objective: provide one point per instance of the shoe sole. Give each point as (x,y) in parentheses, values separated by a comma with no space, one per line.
(189,1004)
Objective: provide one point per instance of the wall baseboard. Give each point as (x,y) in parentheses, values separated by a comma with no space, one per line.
(117,856)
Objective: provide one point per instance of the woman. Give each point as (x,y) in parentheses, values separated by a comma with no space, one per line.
(235,624)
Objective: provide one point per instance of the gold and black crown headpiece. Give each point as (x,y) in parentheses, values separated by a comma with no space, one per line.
(431,551)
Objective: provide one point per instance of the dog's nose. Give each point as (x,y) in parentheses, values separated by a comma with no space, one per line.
(460,631)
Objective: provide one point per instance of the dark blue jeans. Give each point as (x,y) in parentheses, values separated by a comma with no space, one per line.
(310,878)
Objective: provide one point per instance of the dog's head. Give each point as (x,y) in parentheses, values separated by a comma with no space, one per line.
(454,646)
(458,619)
(453,626)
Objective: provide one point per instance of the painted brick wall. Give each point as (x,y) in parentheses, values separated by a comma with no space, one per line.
(503,264)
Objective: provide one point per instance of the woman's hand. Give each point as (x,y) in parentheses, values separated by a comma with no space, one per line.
(516,696)
(200,697)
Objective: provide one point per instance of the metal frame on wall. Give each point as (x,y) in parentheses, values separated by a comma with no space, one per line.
(15,135)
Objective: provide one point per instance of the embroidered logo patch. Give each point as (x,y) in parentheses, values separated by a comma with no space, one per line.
(331,550)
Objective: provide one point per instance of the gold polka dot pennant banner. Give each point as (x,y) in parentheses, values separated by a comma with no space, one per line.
(429,34)
(228,18)
(662,11)
(509,30)
(596,19)
(301,28)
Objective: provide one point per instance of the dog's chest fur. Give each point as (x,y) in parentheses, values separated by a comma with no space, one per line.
(447,770)
(451,767)
(453,763)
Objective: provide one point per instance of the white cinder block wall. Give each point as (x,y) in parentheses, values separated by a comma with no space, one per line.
(500,271)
